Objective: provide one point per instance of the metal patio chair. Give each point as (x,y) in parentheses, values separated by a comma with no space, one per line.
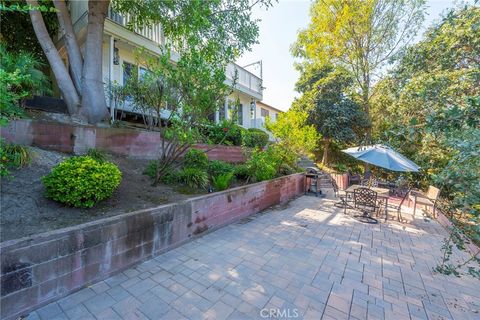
(365,201)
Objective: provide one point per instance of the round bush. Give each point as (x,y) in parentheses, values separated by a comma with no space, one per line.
(217,167)
(254,138)
(82,181)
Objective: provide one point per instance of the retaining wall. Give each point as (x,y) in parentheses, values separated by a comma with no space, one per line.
(39,269)
(122,141)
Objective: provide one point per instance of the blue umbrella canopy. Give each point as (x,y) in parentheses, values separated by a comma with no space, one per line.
(382,156)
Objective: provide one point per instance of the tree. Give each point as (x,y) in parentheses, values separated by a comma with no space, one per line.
(223,28)
(360,36)
(294,137)
(179,98)
(431,76)
(326,97)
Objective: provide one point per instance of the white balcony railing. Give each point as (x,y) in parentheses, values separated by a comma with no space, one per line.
(244,78)
(153,33)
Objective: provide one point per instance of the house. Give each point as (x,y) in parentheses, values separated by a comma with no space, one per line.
(119,44)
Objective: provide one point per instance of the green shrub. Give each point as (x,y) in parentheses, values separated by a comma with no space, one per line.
(254,138)
(261,165)
(193,177)
(222,182)
(224,133)
(96,154)
(151,169)
(13,156)
(217,167)
(171,176)
(195,159)
(241,171)
(82,181)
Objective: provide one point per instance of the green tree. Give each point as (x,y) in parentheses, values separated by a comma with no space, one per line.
(294,137)
(359,35)
(435,74)
(224,29)
(327,98)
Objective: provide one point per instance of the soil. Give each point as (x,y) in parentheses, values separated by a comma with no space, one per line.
(25,211)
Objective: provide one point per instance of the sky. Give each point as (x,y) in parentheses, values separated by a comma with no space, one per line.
(278,30)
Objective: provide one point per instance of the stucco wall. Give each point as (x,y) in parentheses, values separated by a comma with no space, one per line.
(78,139)
(39,269)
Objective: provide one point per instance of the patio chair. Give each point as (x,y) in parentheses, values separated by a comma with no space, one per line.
(428,199)
(365,201)
(341,194)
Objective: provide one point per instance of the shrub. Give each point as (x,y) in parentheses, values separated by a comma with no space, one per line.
(195,159)
(13,156)
(224,133)
(82,181)
(254,138)
(170,177)
(217,167)
(96,154)
(222,182)
(193,177)
(241,171)
(261,165)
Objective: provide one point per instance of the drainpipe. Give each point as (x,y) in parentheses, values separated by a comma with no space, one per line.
(110,74)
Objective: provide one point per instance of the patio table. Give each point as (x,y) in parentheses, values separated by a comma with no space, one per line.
(382,195)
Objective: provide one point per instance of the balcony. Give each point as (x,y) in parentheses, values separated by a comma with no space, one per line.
(246,81)
(153,33)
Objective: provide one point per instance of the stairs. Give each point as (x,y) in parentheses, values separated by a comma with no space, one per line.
(306,162)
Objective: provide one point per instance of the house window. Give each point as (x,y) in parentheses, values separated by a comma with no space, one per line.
(264,113)
(221,113)
(240,114)
(127,71)
(142,72)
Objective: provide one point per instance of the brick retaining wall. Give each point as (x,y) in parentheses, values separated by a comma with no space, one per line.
(122,141)
(39,269)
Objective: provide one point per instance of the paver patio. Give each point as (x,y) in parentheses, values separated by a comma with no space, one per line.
(306,260)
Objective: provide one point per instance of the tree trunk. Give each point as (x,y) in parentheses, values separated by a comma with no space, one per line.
(65,83)
(74,54)
(93,98)
(326,146)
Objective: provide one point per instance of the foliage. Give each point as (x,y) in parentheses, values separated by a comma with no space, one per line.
(96,154)
(294,137)
(82,181)
(241,171)
(20,77)
(13,156)
(254,138)
(17,31)
(225,132)
(193,177)
(328,98)
(457,240)
(222,181)
(196,159)
(170,177)
(360,36)
(217,167)
(425,106)
(262,165)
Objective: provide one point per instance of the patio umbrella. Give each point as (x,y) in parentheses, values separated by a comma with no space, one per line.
(382,156)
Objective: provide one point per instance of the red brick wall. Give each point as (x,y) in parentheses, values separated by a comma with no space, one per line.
(78,139)
(39,269)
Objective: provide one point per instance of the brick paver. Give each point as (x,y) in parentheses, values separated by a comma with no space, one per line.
(303,261)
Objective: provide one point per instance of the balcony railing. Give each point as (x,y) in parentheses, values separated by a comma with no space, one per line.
(153,33)
(244,78)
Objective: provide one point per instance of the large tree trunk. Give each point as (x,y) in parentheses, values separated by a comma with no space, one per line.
(65,83)
(93,98)
(74,54)
(326,146)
